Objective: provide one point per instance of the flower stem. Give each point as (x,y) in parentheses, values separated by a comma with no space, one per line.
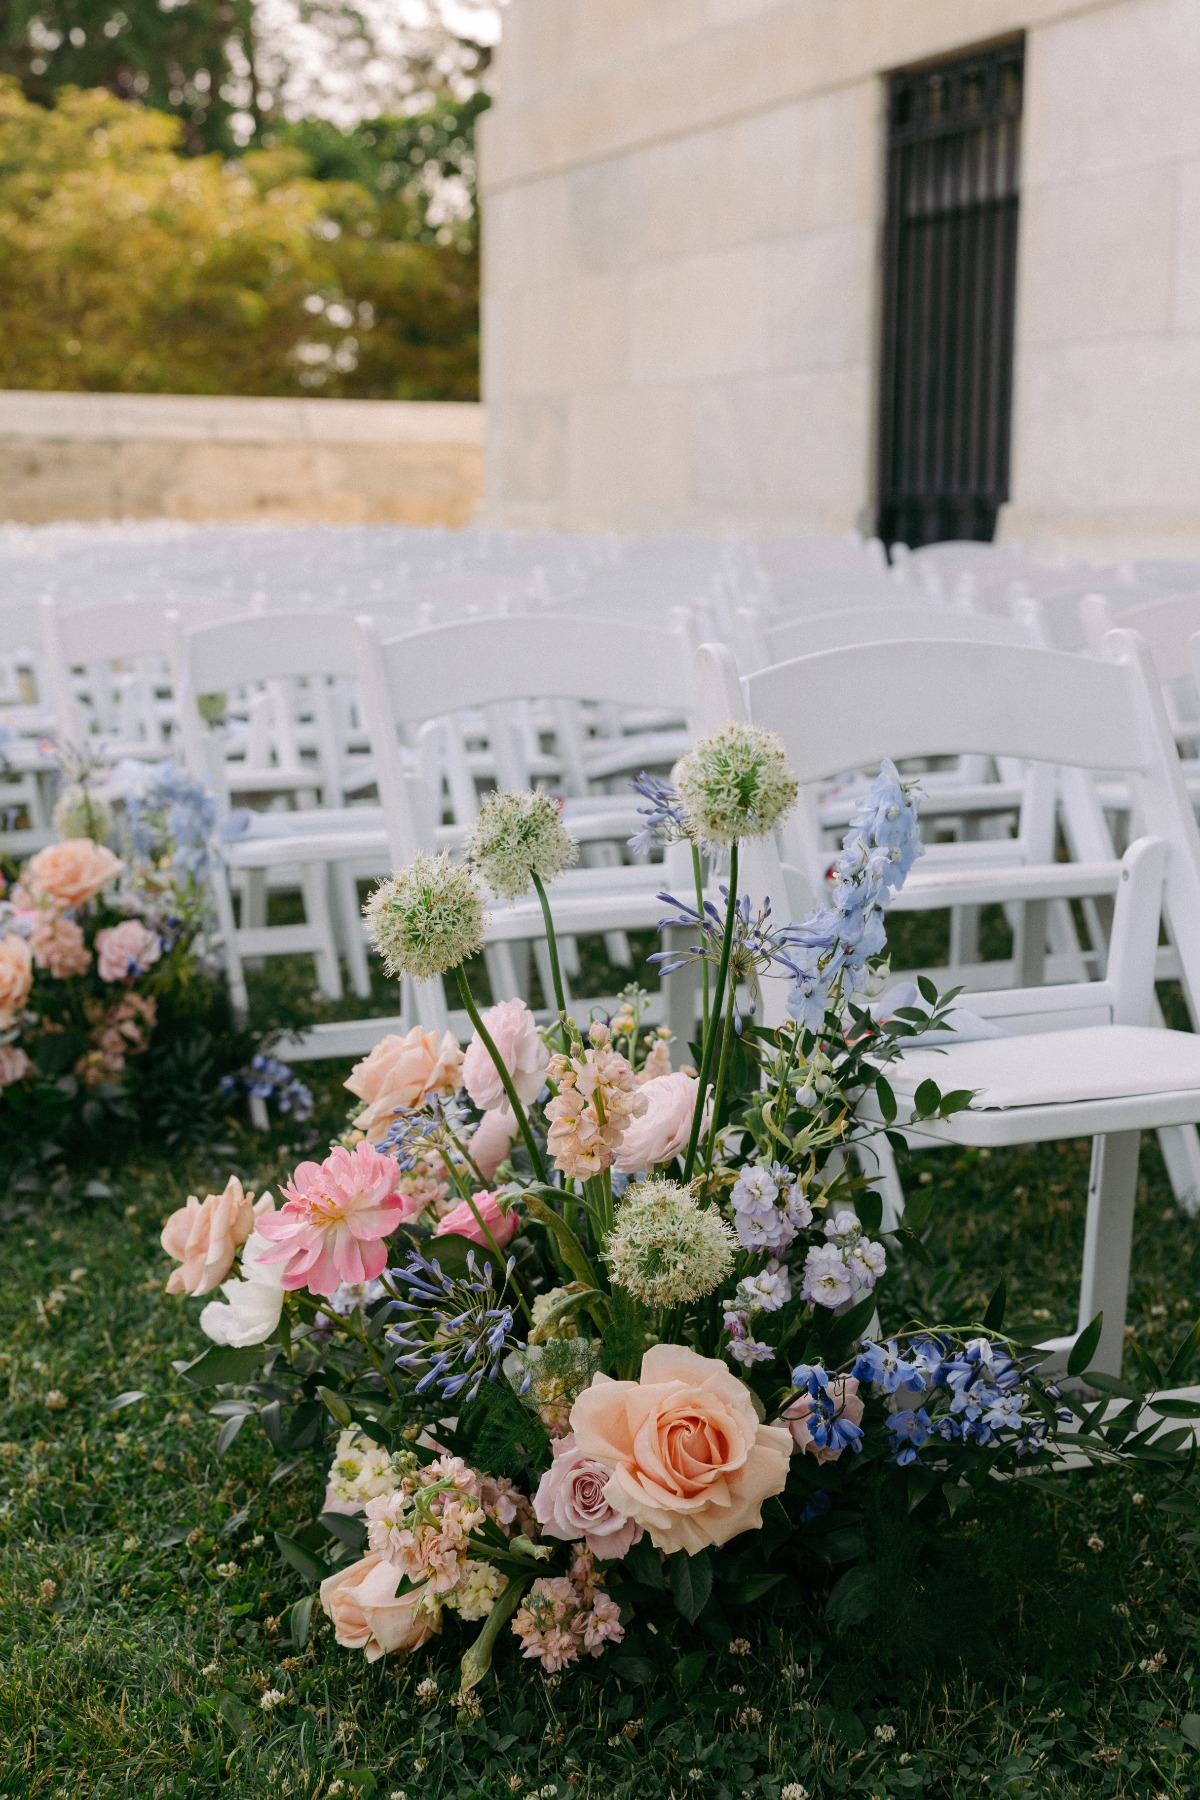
(698,873)
(560,998)
(485,1038)
(719,1089)
(710,1035)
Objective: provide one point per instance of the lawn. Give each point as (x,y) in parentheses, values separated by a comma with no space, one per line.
(1046,1645)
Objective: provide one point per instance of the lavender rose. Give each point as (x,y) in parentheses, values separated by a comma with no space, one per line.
(570,1504)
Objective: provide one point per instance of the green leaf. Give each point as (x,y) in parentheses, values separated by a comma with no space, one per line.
(346,1528)
(927,990)
(1084,1347)
(1151,1373)
(228,1432)
(993,1318)
(644,1564)
(634,1668)
(232,1710)
(758,1585)
(221,1364)
(691,1582)
(957,1100)
(852,1599)
(313,1568)
(129,1398)
(870,1210)
(477,1660)
(301,1623)
(570,1248)
(1178,1366)
(918,1209)
(1176,1409)
(336,1406)
(927,1099)
(955,1495)
(689,1669)
(887,1100)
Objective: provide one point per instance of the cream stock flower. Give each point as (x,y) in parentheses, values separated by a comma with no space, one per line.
(597,1098)
(426,919)
(736,783)
(665,1250)
(516,834)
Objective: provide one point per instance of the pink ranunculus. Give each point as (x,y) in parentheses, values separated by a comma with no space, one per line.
(361,1600)
(663,1129)
(462,1221)
(59,946)
(493,1139)
(401,1072)
(14,1064)
(16,977)
(203,1237)
(72,872)
(513,1030)
(570,1504)
(337,1214)
(844,1391)
(126,950)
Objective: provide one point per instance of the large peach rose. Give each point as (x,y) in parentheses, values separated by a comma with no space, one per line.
(16,977)
(361,1601)
(400,1072)
(203,1236)
(689,1458)
(664,1128)
(72,872)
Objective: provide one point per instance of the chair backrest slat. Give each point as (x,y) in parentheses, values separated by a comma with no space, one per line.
(266,647)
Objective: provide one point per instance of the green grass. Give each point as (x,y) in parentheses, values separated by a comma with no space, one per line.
(143,1610)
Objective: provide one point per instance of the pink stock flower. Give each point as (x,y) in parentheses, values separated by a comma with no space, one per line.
(570,1504)
(662,1130)
(14,1064)
(462,1221)
(58,946)
(513,1029)
(337,1214)
(844,1391)
(126,950)
(16,977)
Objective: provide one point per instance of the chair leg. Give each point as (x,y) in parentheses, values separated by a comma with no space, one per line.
(1181,1153)
(235,974)
(316,912)
(347,926)
(254,910)
(1108,1238)
(877,1161)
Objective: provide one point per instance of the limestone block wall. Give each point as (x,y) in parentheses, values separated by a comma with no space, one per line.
(112,456)
(683,206)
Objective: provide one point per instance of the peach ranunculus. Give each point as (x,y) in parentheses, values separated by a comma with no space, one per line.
(14,1064)
(843,1390)
(361,1600)
(662,1131)
(16,977)
(59,946)
(204,1235)
(401,1072)
(126,950)
(513,1029)
(72,873)
(493,1138)
(462,1221)
(689,1458)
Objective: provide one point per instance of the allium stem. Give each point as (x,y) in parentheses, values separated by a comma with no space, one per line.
(722,1072)
(698,873)
(560,999)
(710,1036)
(485,1038)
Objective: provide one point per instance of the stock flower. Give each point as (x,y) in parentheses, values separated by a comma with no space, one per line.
(72,873)
(513,1029)
(203,1236)
(481,1586)
(665,1249)
(126,950)
(570,1504)
(463,1223)
(492,1140)
(360,1471)
(828,1421)
(564,1614)
(252,1306)
(736,783)
(663,1129)
(399,1073)
(426,919)
(14,1064)
(337,1214)
(516,834)
(598,1097)
(59,946)
(16,977)
(689,1457)
(367,1615)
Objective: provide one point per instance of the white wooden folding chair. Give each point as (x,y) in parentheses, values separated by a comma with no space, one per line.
(1086,1059)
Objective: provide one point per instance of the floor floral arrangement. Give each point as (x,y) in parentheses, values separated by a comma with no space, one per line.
(600,1336)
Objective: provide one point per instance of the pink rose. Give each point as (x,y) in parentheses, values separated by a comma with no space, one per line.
(570,1504)
(16,977)
(126,950)
(361,1600)
(493,1139)
(665,1126)
(203,1236)
(401,1072)
(687,1454)
(335,1220)
(14,1064)
(844,1389)
(59,946)
(73,872)
(513,1030)
(462,1221)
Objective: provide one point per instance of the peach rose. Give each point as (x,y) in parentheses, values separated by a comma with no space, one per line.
(16,977)
(689,1457)
(361,1601)
(14,1064)
(844,1390)
(493,1139)
(400,1072)
(203,1236)
(58,946)
(513,1029)
(463,1223)
(663,1129)
(126,950)
(72,872)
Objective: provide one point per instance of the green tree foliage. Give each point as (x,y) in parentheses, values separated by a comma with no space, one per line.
(126,266)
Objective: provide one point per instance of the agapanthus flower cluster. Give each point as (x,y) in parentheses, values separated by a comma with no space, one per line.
(737,783)
(847,1265)
(597,1097)
(973,1393)
(518,836)
(419,1133)
(457,1330)
(427,919)
(663,813)
(757,944)
(266,1078)
(564,1615)
(665,1249)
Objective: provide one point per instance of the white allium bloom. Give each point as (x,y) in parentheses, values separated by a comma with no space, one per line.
(426,919)
(478,1590)
(767,1291)
(736,783)
(81,813)
(665,1249)
(253,1304)
(516,834)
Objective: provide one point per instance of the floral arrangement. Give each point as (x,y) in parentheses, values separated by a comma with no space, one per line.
(599,1334)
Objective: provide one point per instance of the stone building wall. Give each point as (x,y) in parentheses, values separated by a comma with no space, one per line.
(683,204)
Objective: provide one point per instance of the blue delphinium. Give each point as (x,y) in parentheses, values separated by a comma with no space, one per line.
(827,1423)
(457,1330)
(266,1078)
(972,1393)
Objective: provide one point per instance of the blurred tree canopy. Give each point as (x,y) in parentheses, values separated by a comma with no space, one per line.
(128,266)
